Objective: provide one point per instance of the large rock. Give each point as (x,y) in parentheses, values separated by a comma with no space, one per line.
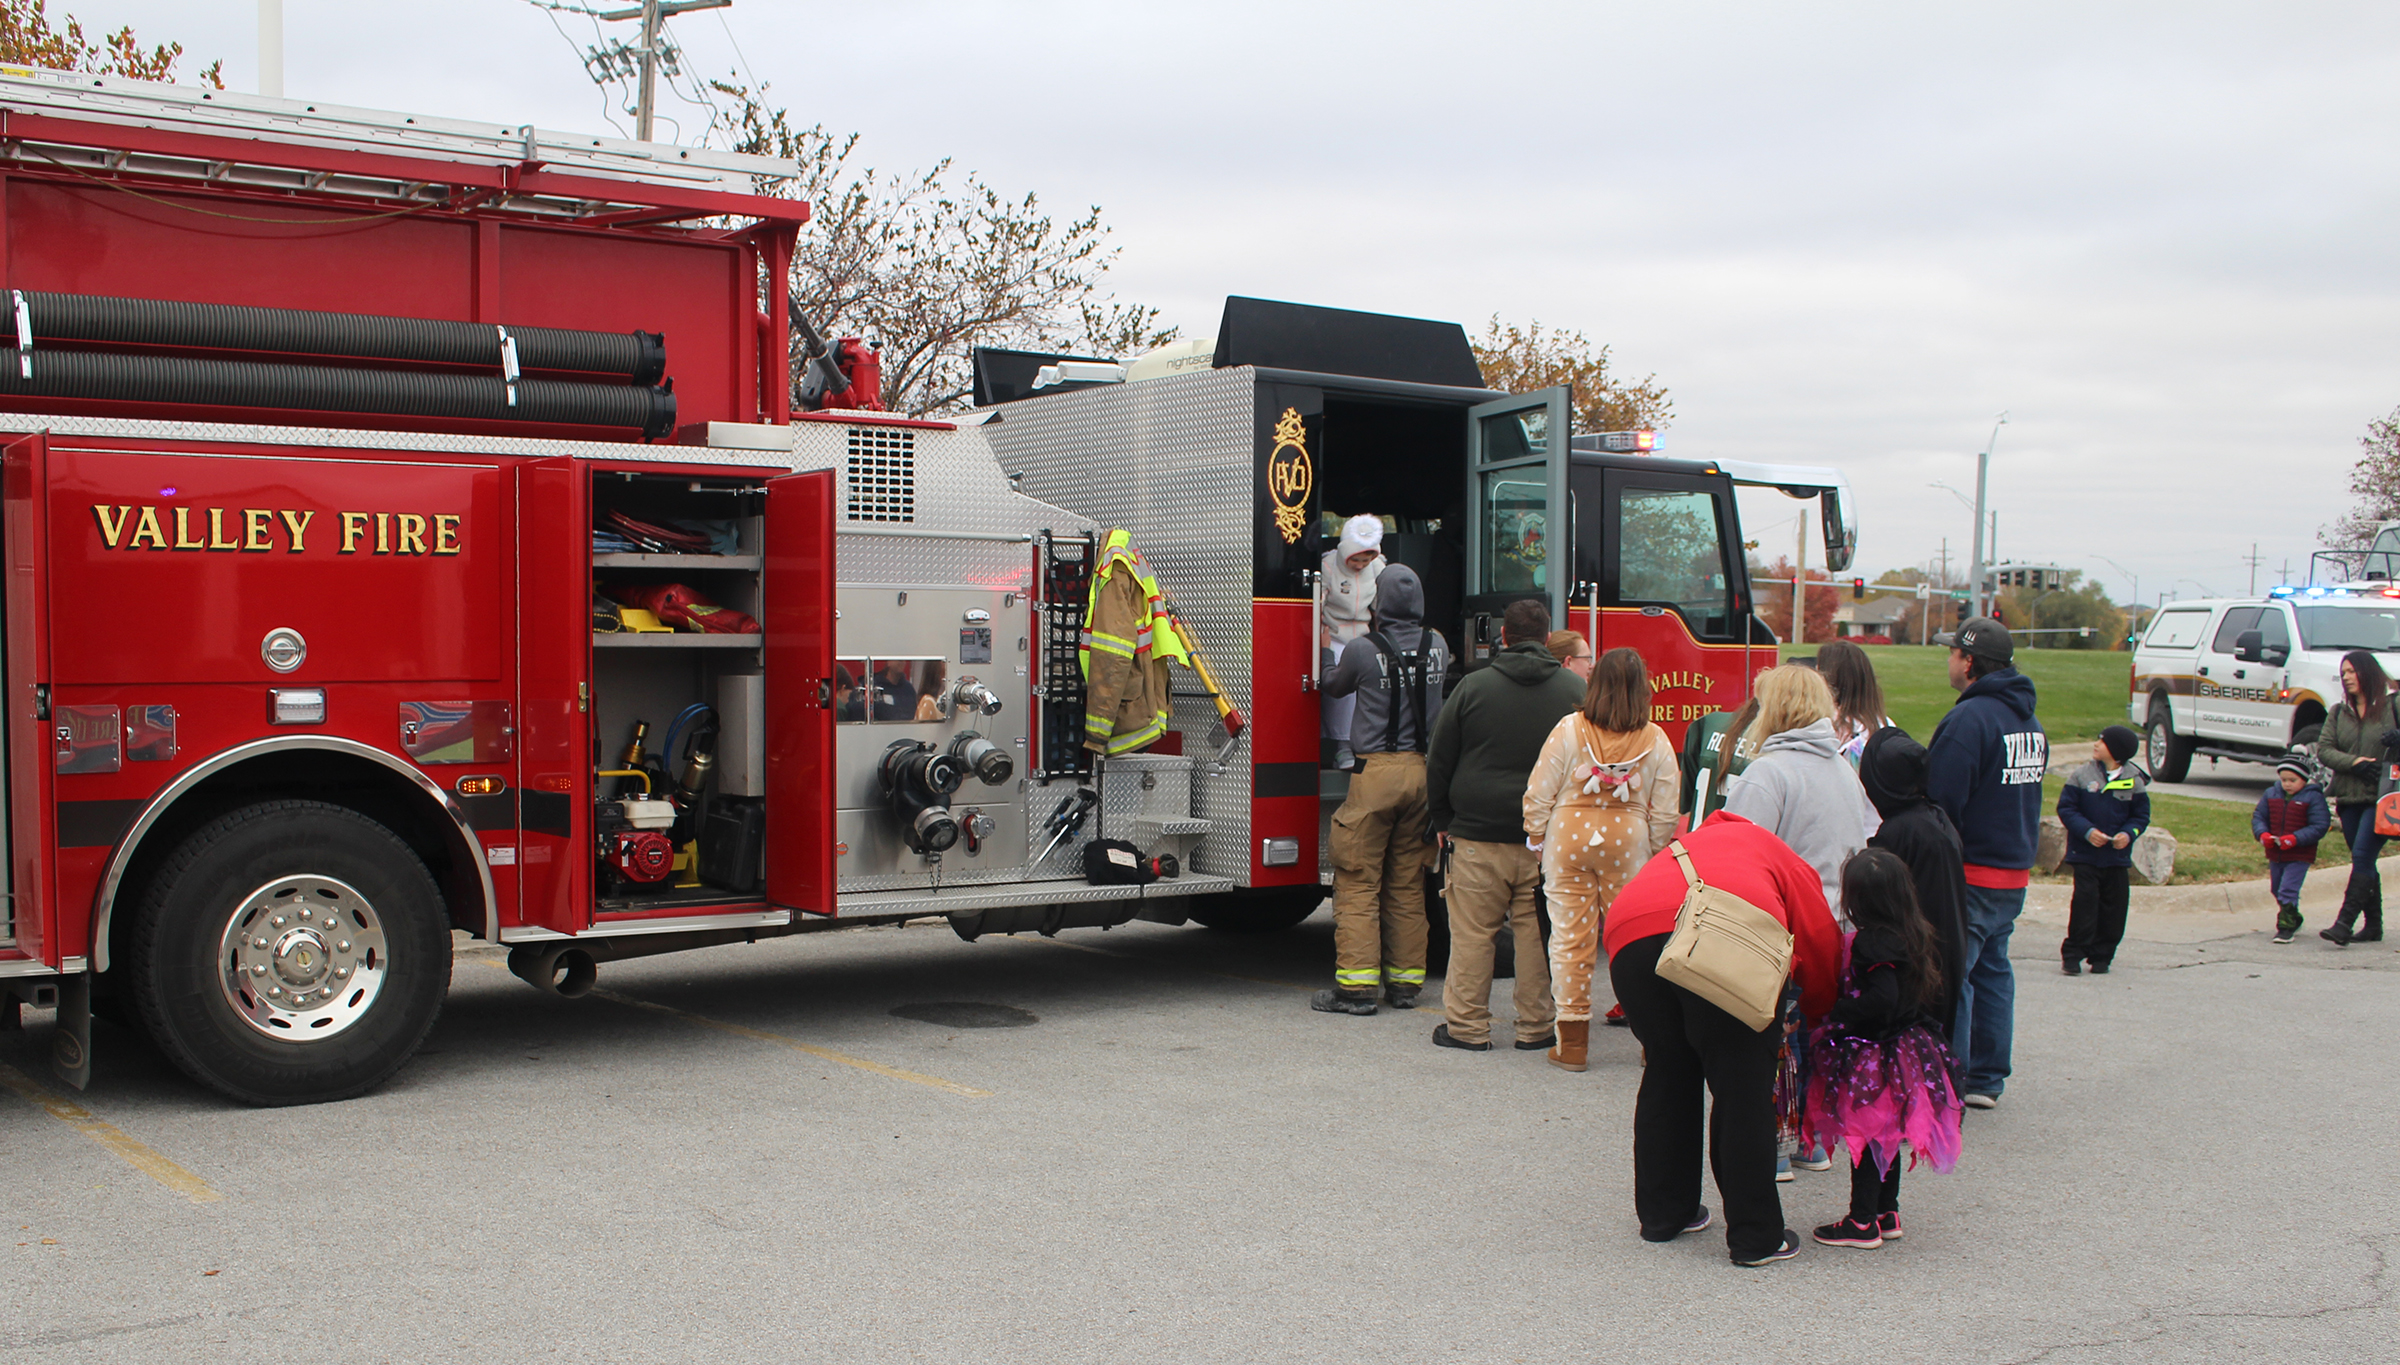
(2051,849)
(2154,855)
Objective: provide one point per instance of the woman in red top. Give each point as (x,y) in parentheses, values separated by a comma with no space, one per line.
(1691,1044)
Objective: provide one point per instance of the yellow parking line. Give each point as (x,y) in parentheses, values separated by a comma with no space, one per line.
(140,1156)
(828,1054)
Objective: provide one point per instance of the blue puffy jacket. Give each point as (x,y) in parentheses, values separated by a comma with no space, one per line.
(1985,768)
(2112,803)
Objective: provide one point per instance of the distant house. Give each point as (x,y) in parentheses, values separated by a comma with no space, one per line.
(1894,618)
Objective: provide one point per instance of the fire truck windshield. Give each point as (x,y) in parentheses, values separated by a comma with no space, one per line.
(1673,552)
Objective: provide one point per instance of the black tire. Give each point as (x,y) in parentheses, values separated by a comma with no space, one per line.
(2168,754)
(1437,927)
(1260,910)
(375,920)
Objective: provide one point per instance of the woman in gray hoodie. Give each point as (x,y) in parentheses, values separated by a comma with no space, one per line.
(1799,788)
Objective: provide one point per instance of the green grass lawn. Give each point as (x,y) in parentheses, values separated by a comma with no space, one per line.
(2078,693)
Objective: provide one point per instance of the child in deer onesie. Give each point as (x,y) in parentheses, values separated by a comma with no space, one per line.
(1601,800)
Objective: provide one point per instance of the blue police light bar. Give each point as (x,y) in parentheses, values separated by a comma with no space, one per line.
(2284,591)
(1629,442)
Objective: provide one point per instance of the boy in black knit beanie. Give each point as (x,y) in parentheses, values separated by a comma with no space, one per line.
(2105,806)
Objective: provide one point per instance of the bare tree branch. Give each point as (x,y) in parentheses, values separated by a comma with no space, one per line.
(931,264)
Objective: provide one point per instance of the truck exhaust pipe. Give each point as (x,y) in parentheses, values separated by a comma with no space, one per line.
(559,969)
(572,968)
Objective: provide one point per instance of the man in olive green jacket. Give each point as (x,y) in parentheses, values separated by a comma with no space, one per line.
(1484,746)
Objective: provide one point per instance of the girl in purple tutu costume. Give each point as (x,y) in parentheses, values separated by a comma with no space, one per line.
(1879,1077)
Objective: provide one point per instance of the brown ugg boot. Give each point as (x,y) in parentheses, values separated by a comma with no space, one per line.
(1574,1044)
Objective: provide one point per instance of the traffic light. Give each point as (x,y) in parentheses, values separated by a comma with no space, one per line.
(1962,611)
(1858,589)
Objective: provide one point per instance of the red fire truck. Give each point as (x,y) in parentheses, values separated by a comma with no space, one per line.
(409,531)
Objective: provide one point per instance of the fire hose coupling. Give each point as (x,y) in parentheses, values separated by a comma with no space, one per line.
(917,781)
(988,761)
(969,694)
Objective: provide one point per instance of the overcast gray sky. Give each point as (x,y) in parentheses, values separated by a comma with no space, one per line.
(2161,236)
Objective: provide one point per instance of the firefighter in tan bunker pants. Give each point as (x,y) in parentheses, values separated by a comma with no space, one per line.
(1380,841)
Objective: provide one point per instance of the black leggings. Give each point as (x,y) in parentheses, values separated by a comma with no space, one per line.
(1699,1053)
(1873,1193)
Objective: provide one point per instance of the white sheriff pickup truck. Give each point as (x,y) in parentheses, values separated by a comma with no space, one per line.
(2249,677)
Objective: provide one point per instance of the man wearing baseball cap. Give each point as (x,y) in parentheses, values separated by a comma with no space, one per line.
(1985,768)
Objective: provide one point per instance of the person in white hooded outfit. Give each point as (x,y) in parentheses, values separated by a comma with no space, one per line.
(1346,592)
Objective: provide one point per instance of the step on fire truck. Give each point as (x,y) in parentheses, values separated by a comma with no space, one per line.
(356,467)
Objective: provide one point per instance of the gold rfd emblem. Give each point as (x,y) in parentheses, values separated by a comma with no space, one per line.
(1290,476)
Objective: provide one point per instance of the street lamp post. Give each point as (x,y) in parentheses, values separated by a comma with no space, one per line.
(2137,584)
(1983,474)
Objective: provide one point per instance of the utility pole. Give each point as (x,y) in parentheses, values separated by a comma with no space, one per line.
(2253,557)
(653,14)
(270,48)
(1945,586)
(1983,474)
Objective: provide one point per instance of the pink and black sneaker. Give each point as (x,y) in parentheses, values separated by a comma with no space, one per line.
(1851,1233)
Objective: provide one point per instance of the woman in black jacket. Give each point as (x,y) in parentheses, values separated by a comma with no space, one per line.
(1919,832)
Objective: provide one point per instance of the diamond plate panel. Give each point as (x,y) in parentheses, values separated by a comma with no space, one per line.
(1170,460)
(965,525)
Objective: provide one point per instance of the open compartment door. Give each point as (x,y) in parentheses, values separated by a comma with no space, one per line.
(26,922)
(1520,536)
(554,630)
(798,619)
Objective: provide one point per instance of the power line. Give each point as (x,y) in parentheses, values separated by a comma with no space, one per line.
(611,59)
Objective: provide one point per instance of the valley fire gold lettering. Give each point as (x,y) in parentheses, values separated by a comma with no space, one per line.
(129,526)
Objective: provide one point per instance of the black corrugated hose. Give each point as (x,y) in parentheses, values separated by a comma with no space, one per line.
(325,388)
(639,356)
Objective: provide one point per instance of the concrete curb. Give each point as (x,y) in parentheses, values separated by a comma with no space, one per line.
(2214,909)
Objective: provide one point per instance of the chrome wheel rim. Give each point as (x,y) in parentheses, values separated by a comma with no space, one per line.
(302,958)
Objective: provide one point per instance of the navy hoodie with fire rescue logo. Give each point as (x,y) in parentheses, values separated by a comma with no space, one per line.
(1985,768)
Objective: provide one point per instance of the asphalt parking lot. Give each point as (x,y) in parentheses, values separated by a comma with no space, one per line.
(1141,1144)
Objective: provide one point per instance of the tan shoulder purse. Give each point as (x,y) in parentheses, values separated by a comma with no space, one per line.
(1726,950)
